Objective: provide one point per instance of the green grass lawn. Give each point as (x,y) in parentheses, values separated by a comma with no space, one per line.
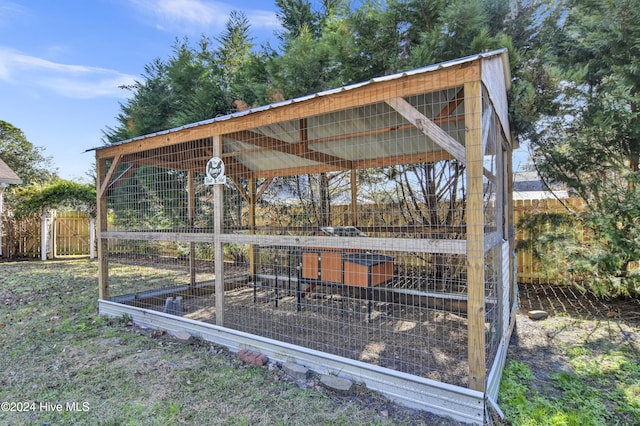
(62,364)
(603,389)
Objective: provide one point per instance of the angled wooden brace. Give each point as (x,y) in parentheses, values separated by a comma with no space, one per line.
(429,128)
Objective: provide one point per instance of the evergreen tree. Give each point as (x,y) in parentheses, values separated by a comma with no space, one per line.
(186,88)
(150,107)
(532,27)
(243,72)
(376,41)
(196,79)
(296,16)
(592,144)
(25,159)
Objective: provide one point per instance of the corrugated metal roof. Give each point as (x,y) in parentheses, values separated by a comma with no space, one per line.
(427,69)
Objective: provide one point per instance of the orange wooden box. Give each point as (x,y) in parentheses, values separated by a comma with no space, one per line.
(367,269)
(357,269)
(345,266)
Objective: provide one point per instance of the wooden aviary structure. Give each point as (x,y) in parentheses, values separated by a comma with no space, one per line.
(213,228)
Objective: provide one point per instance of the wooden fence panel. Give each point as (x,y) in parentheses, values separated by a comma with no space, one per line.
(529,269)
(72,235)
(22,237)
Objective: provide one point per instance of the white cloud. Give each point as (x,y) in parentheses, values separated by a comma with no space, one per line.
(194,16)
(263,19)
(190,12)
(8,10)
(73,81)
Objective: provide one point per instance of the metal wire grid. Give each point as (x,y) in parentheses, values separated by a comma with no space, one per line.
(150,191)
(497,260)
(371,323)
(413,320)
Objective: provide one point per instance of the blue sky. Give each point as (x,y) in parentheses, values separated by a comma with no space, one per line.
(61,62)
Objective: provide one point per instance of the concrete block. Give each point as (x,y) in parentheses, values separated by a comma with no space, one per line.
(295,371)
(336,383)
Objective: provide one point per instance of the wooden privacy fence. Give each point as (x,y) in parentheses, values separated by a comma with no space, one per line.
(529,269)
(21,238)
(68,234)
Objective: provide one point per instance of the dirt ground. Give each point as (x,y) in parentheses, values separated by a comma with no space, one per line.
(412,339)
(575,318)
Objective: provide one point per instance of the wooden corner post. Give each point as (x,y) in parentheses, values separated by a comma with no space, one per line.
(252,227)
(475,234)
(103,263)
(218,217)
(191,213)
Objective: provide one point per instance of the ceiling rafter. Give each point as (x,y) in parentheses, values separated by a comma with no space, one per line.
(300,149)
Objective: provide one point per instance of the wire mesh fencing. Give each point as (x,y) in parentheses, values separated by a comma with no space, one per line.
(350,231)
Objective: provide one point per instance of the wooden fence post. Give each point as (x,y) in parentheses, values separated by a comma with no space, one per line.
(43,235)
(92,237)
(218,217)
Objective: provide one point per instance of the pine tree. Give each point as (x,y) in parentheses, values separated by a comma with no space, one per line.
(593,143)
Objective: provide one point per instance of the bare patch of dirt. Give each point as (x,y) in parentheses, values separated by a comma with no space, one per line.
(576,318)
(569,301)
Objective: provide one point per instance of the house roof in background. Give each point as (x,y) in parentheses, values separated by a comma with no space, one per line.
(528,185)
(7,175)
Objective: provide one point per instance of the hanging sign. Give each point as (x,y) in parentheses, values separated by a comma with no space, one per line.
(215,172)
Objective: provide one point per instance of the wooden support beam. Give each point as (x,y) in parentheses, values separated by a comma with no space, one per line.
(105,183)
(509,228)
(239,187)
(429,128)
(252,226)
(103,263)
(120,179)
(475,236)
(486,125)
(245,195)
(450,107)
(263,188)
(191,213)
(303,136)
(405,245)
(218,216)
(354,198)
